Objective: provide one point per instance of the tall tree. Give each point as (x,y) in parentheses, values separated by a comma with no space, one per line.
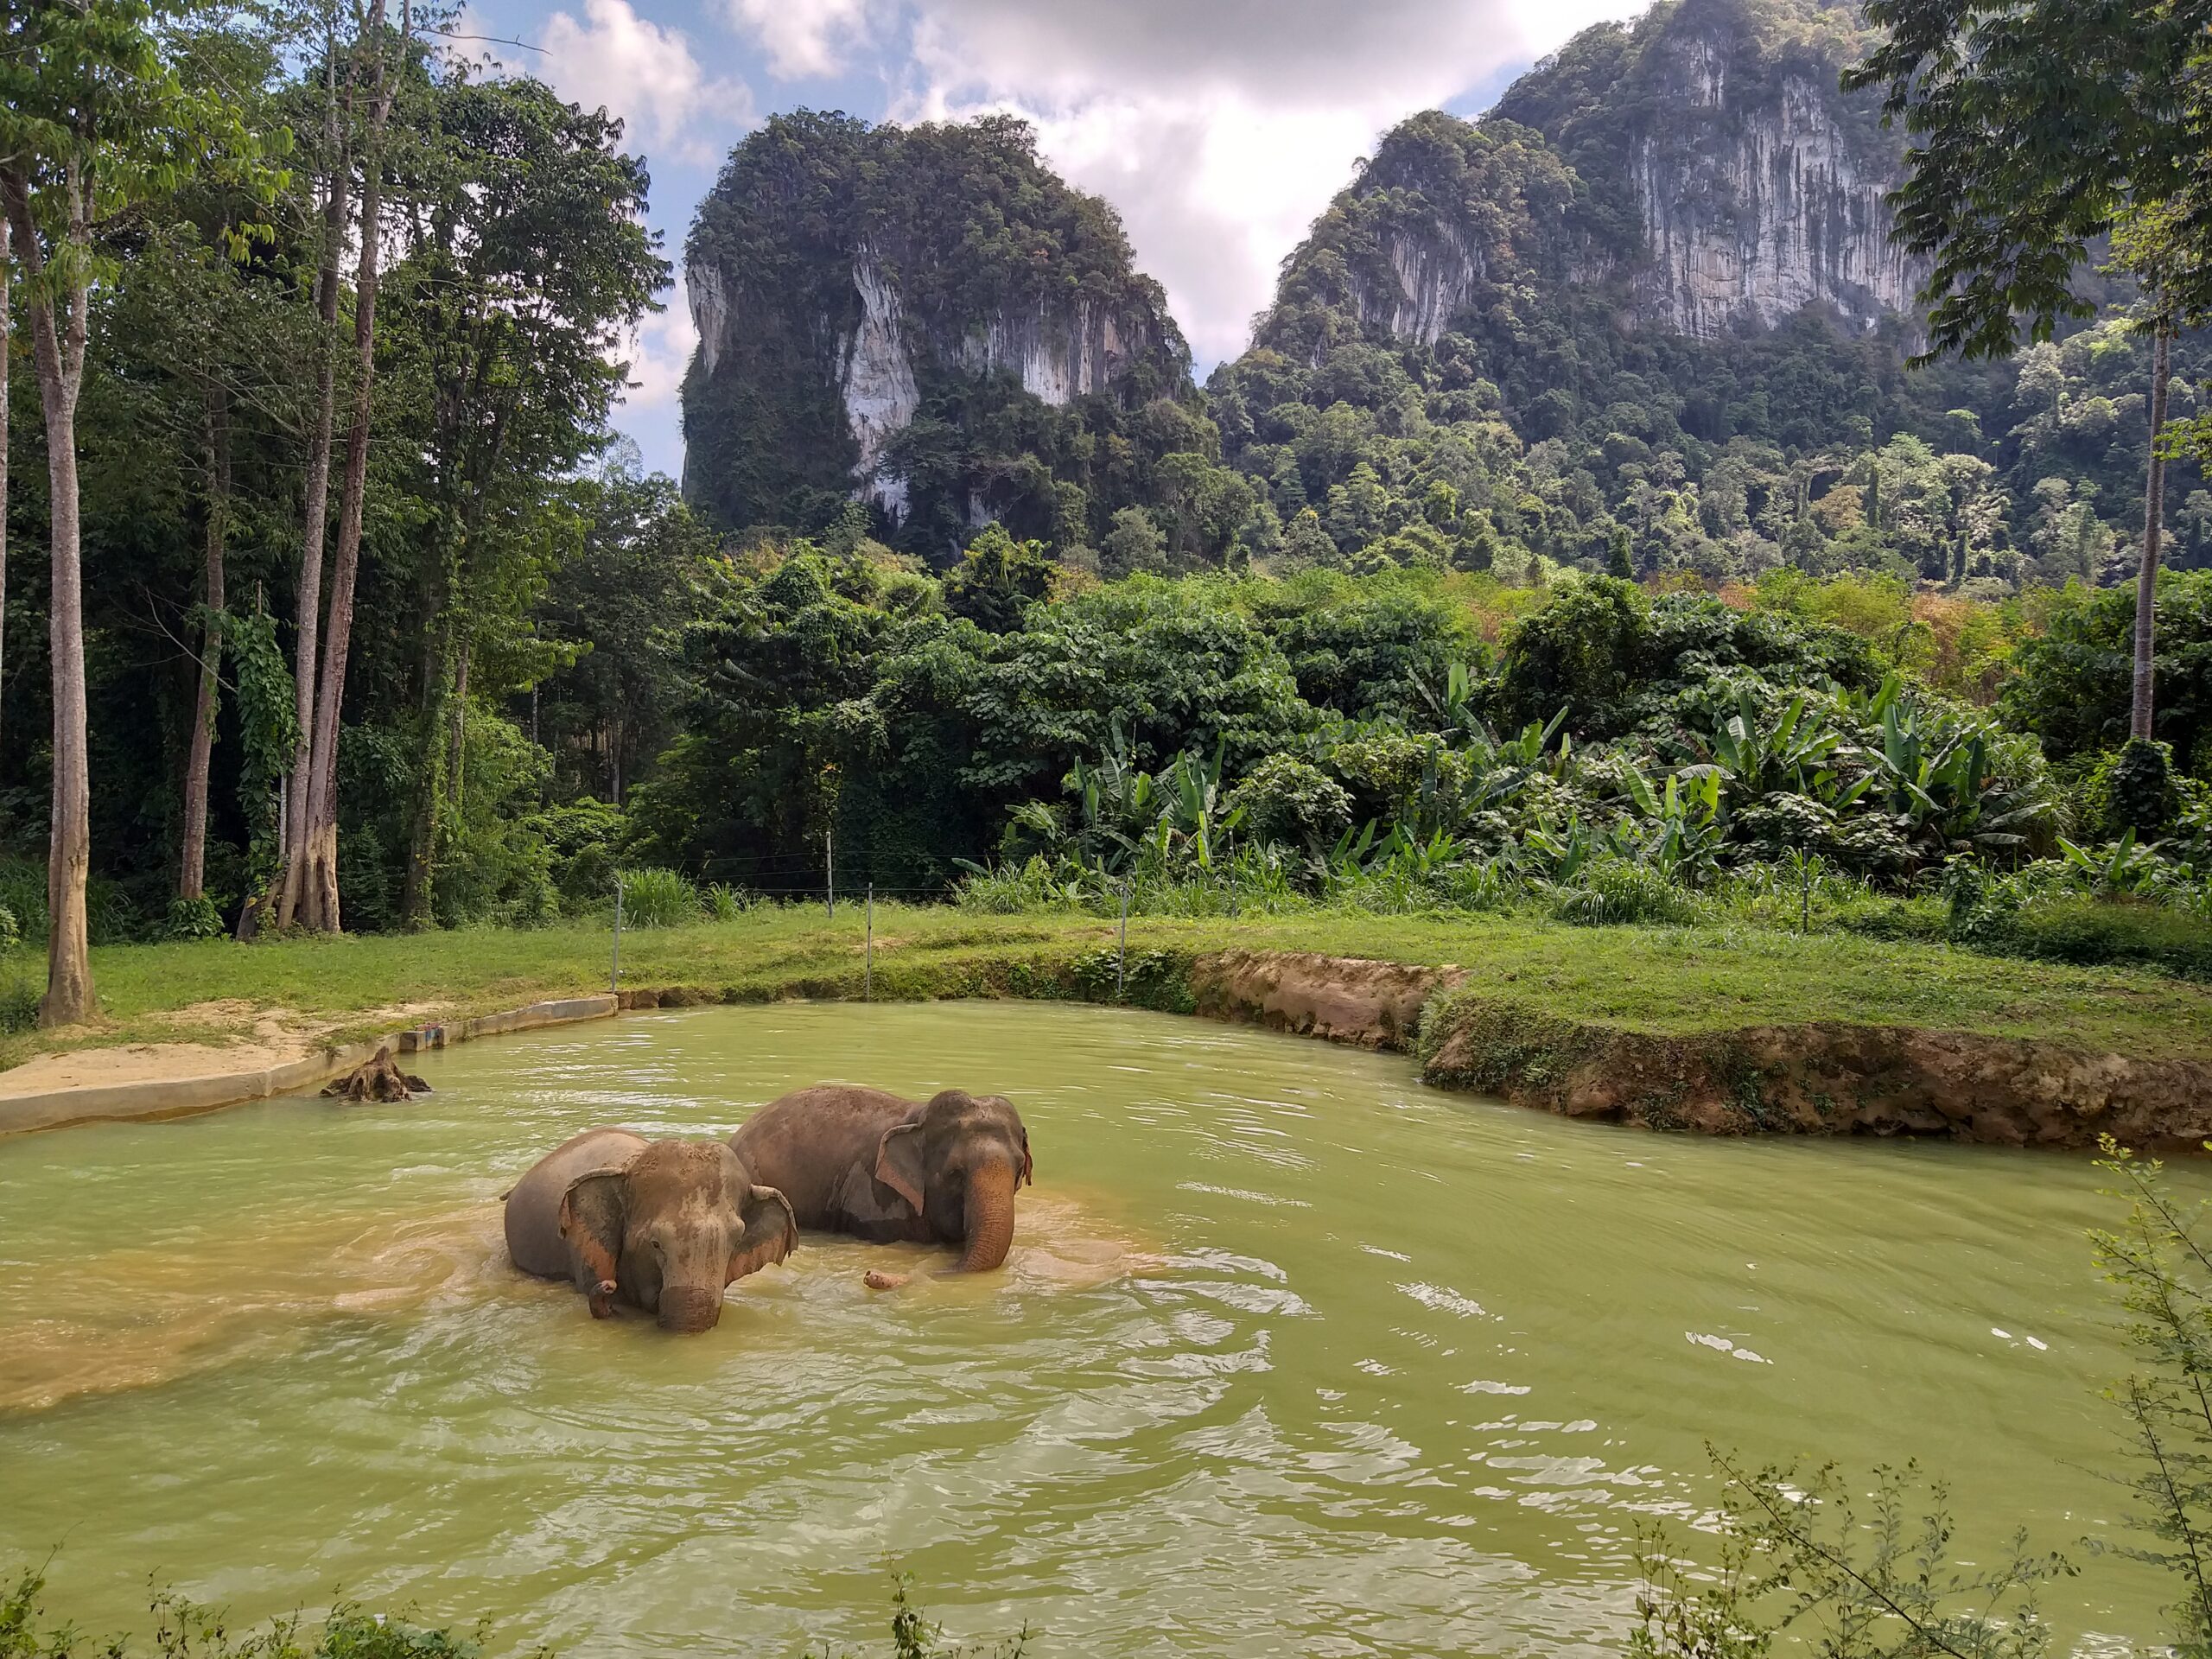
(527,267)
(2036,127)
(335,168)
(7,354)
(93,120)
(318,903)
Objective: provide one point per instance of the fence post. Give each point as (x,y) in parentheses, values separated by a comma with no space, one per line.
(1122,957)
(830,876)
(868,970)
(614,972)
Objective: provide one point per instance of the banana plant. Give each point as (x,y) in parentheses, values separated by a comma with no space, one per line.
(1451,706)
(1681,829)
(1939,778)
(1190,792)
(1566,848)
(1758,758)
(2121,868)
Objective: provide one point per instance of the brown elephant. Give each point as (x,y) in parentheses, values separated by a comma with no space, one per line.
(862,1161)
(663,1225)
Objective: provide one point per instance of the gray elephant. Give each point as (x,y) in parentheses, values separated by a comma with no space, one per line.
(862,1161)
(663,1225)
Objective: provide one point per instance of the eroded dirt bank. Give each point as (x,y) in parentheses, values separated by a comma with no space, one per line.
(1821,1078)
(1815,1078)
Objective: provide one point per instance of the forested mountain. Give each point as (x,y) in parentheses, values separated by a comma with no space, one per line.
(1646,314)
(929,318)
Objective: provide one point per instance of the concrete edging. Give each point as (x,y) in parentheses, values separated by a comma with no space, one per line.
(156,1099)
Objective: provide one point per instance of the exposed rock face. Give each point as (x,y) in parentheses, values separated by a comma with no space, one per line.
(849,280)
(1438,275)
(1701,170)
(877,385)
(1760,211)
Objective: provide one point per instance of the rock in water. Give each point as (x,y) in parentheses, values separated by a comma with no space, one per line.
(379,1078)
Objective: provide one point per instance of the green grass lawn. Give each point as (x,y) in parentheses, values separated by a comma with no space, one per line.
(1654,979)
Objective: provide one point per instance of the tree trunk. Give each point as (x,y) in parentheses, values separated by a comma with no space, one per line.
(2154,515)
(191,876)
(7,326)
(319,902)
(58,352)
(314,526)
(460,728)
(417,896)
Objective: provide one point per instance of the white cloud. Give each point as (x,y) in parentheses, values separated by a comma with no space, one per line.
(1219,130)
(802,37)
(660,351)
(645,73)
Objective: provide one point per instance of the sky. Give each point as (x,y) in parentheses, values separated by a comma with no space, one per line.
(1219,129)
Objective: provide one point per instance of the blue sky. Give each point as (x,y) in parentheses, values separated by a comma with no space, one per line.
(1217,127)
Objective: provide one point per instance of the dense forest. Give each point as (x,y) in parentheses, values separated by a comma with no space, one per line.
(1509,565)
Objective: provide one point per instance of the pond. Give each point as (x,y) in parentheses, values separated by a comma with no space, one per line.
(1292,1354)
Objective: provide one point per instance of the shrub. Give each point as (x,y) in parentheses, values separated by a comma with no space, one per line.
(657,898)
(22,894)
(10,934)
(2132,788)
(1612,891)
(1288,800)
(192,918)
(18,1009)
(2109,931)
(184,1630)
(724,903)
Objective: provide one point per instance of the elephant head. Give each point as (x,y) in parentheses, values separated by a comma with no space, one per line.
(670,1227)
(957,1158)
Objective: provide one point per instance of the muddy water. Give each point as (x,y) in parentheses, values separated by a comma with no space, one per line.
(1292,1355)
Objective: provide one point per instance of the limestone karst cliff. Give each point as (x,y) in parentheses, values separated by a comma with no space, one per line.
(880,310)
(1701,170)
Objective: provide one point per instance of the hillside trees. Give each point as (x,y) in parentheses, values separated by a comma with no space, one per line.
(525,261)
(2036,129)
(94,119)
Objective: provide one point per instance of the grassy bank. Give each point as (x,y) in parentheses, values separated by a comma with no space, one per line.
(1659,979)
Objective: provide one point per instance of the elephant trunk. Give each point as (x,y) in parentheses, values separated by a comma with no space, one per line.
(990,1218)
(688,1309)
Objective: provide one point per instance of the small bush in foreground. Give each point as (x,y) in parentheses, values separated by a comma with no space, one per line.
(654,898)
(1875,1582)
(184,1630)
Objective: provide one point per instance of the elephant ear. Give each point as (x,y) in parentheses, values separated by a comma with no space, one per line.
(594,1214)
(1028,1164)
(770,1232)
(899,1162)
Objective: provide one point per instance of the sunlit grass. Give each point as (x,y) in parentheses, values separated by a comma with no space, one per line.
(1700,978)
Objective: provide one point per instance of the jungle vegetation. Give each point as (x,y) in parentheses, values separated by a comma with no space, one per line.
(380,628)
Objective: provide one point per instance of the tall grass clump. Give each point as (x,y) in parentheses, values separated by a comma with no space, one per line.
(657,898)
(1613,892)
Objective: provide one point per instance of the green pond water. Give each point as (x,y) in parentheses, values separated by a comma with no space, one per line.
(1292,1355)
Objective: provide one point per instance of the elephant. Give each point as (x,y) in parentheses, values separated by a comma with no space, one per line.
(663,1225)
(865,1162)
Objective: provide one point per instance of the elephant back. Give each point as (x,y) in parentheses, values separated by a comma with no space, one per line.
(533,1209)
(808,1144)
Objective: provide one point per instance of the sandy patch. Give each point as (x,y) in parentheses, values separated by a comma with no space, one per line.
(265,1038)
